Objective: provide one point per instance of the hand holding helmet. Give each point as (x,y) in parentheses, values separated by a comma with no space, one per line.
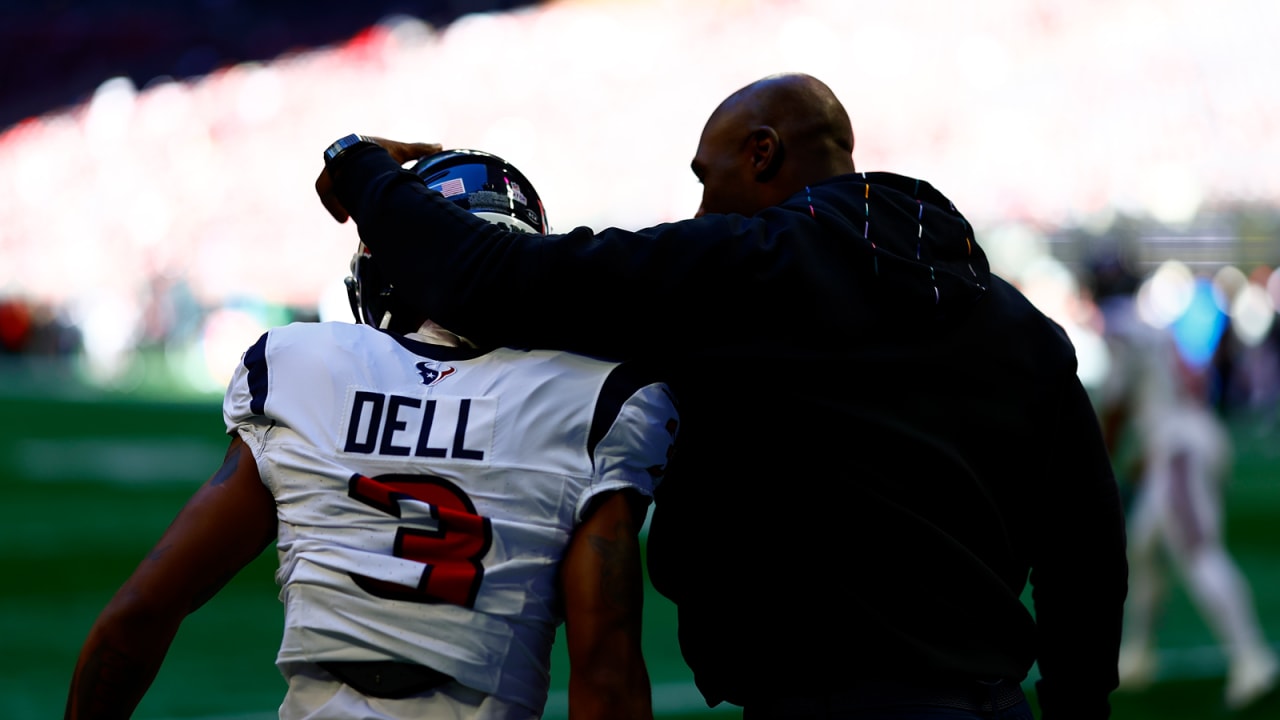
(401,152)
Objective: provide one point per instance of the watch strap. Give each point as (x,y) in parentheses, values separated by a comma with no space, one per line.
(342,144)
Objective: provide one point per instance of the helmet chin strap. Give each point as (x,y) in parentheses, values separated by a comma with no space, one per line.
(386,321)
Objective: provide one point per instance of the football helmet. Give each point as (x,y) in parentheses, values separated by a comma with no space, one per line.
(479,182)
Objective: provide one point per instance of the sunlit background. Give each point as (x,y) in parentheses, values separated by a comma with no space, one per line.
(157,214)
(153,225)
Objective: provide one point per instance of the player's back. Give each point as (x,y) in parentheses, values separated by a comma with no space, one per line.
(426,493)
(1167,401)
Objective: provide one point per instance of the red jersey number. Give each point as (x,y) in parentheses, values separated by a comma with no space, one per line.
(451,552)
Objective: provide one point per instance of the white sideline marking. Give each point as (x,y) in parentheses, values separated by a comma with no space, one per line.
(127,461)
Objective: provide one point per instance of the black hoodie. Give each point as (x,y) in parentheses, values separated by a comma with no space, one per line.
(882,441)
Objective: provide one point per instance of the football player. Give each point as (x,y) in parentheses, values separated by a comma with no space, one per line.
(1183,460)
(438,510)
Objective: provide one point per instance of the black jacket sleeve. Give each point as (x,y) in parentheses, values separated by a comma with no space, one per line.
(609,293)
(1079,577)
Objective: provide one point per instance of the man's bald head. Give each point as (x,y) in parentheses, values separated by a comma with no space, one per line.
(800,107)
(770,139)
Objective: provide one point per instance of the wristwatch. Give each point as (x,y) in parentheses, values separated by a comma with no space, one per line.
(341,144)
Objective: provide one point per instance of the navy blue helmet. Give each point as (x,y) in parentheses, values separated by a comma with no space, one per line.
(481,183)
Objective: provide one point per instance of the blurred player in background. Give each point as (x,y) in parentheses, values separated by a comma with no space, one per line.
(1157,400)
(437,508)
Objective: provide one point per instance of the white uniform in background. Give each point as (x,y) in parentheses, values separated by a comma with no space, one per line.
(1178,508)
(425,497)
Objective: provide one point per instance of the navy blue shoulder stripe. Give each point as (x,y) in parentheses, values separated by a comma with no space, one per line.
(255,361)
(623,382)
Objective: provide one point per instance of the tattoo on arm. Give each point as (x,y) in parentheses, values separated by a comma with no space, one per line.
(618,557)
(229,465)
(108,683)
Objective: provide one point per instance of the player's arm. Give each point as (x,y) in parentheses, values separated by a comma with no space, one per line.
(229,521)
(1115,414)
(603,590)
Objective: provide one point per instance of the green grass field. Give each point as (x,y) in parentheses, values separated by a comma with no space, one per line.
(89,481)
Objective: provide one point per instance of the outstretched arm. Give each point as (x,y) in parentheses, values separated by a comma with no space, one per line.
(603,591)
(229,521)
(603,293)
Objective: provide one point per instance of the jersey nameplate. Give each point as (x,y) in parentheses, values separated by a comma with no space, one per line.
(458,428)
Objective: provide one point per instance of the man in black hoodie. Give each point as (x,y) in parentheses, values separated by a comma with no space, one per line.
(883,441)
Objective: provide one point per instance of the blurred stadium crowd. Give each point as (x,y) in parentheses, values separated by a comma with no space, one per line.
(56,52)
(156,171)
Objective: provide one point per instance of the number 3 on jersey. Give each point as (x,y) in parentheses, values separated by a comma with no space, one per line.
(451,552)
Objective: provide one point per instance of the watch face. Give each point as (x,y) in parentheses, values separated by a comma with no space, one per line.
(341,144)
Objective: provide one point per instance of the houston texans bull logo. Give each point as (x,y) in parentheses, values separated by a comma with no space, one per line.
(431,375)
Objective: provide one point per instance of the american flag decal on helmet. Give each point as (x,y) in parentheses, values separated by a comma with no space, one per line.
(431,375)
(449,188)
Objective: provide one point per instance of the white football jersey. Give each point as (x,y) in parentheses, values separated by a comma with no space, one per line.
(1169,413)
(426,494)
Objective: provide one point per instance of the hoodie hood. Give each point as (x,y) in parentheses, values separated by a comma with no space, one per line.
(914,247)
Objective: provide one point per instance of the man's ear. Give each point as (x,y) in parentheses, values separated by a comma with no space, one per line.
(766,153)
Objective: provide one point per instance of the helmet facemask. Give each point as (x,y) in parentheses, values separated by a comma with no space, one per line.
(372,298)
